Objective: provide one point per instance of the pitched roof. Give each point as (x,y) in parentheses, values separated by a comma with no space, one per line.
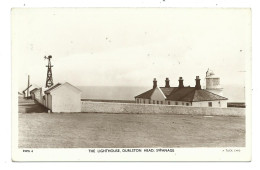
(146,95)
(31,87)
(182,94)
(52,87)
(204,95)
(191,94)
(34,89)
(27,88)
(73,86)
(167,90)
(58,85)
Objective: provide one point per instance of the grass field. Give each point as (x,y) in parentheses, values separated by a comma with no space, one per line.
(87,130)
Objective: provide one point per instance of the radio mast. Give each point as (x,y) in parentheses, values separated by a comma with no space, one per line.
(49,79)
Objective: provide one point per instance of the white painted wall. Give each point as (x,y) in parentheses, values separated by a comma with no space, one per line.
(66,98)
(217,103)
(180,103)
(143,101)
(132,108)
(38,96)
(156,98)
(49,101)
(158,95)
(149,101)
(213,85)
(212,82)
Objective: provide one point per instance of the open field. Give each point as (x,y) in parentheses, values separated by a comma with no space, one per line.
(86,130)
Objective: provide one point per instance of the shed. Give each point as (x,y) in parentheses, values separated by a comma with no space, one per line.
(63,98)
(27,92)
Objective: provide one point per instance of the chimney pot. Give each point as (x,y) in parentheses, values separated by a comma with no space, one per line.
(197,86)
(181,82)
(154,83)
(167,82)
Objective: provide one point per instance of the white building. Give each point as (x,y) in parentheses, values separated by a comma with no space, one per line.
(27,92)
(213,83)
(36,94)
(186,96)
(63,98)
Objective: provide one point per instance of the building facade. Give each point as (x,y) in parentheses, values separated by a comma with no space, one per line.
(63,98)
(181,95)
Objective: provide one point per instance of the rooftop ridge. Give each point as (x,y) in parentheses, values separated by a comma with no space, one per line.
(214,94)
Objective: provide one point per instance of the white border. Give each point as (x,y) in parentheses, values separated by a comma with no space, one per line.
(6,83)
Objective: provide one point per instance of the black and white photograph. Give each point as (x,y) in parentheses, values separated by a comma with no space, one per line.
(109,83)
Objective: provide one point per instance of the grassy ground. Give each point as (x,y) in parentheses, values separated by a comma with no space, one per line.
(86,130)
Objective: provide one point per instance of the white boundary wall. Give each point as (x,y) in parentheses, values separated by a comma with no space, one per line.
(132,108)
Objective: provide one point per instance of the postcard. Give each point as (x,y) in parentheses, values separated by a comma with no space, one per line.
(131,84)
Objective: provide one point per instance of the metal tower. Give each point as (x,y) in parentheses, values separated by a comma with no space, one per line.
(49,80)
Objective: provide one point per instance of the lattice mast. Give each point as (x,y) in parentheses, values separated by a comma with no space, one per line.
(49,79)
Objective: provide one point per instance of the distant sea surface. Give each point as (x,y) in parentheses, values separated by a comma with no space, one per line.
(233,93)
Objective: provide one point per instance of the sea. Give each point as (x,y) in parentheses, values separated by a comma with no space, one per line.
(232,92)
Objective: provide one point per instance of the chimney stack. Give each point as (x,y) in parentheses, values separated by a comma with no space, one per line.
(198,86)
(167,82)
(154,83)
(181,82)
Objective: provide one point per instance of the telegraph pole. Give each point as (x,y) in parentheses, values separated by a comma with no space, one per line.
(28,86)
(49,79)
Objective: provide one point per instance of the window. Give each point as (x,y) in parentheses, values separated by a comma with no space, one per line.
(144,101)
(169,102)
(187,104)
(153,102)
(210,104)
(161,102)
(157,102)
(149,101)
(176,103)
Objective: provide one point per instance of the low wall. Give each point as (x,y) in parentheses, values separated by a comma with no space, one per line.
(97,107)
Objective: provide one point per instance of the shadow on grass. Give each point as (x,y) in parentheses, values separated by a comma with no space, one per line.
(36,108)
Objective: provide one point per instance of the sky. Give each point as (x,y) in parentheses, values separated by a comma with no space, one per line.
(130,46)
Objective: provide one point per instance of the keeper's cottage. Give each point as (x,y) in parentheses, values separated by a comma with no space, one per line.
(186,96)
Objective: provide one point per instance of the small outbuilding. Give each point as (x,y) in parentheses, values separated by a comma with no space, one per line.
(63,98)
(27,92)
(36,94)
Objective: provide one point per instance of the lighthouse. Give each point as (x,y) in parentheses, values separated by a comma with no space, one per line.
(213,83)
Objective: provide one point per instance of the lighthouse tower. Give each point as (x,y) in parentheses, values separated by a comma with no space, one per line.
(213,83)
